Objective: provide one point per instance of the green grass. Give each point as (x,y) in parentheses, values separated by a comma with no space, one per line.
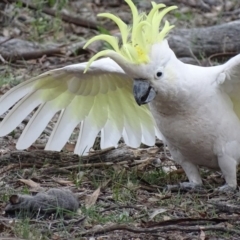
(42,26)
(186,17)
(8,78)
(94,216)
(25,230)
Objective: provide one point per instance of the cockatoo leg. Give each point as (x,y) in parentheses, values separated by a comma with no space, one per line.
(228,166)
(191,170)
(193,175)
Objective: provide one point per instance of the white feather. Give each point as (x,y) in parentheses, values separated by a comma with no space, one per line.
(62,131)
(36,125)
(15,94)
(86,137)
(19,112)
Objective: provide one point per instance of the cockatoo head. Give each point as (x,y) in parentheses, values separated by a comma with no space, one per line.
(143,51)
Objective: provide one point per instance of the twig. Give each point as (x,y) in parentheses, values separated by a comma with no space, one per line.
(6,40)
(160,229)
(120,207)
(16,165)
(226,207)
(196,4)
(235,12)
(68,222)
(94,165)
(2,59)
(186,221)
(221,55)
(83,22)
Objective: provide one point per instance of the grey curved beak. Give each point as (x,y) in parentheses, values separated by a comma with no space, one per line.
(143,92)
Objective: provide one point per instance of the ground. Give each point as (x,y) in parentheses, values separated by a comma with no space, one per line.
(122,192)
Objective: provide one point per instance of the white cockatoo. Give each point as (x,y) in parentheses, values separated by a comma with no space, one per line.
(194,110)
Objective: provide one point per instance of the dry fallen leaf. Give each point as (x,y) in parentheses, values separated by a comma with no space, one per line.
(30,183)
(202,235)
(69,147)
(63,182)
(91,200)
(156,212)
(166,218)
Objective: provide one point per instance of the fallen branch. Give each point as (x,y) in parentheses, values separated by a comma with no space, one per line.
(64,160)
(186,221)
(82,22)
(94,165)
(236,12)
(199,4)
(120,207)
(12,57)
(22,165)
(226,207)
(204,42)
(156,230)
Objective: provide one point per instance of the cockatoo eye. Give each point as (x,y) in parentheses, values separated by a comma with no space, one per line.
(158,75)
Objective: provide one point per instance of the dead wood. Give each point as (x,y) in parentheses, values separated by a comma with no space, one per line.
(134,229)
(235,12)
(203,42)
(199,4)
(82,22)
(66,160)
(12,57)
(13,49)
(17,49)
(226,207)
(17,46)
(187,222)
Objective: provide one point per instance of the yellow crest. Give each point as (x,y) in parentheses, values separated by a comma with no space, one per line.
(138,38)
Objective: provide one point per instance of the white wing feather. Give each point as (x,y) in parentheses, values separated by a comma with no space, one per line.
(230,79)
(100,100)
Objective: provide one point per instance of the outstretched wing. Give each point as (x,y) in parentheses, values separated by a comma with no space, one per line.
(230,79)
(100,100)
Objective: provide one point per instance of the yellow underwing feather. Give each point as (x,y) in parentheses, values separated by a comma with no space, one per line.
(138,39)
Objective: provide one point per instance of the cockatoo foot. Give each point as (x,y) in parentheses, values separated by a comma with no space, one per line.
(226,188)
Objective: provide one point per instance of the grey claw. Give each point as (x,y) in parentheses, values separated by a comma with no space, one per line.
(226,188)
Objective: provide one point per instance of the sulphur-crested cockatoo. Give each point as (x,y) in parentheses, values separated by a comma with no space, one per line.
(196,109)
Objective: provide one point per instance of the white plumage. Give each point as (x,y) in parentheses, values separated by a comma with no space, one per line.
(197,112)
